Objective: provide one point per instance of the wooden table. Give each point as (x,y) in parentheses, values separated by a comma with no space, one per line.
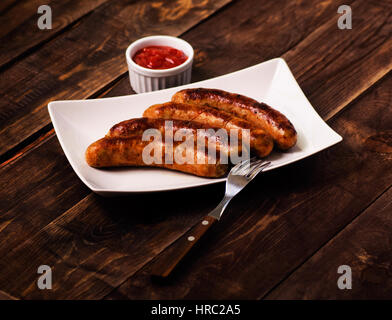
(284,237)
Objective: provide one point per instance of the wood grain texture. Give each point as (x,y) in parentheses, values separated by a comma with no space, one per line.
(6,296)
(286,215)
(28,144)
(14,13)
(365,246)
(85,59)
(38,154)
(172,257)
(94,246)
(351,59)
(41,186)
(250,32)
(6,5)
(20,33)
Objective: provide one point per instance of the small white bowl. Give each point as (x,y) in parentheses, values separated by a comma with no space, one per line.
(144,79)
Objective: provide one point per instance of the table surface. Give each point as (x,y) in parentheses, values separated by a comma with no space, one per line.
(284,237)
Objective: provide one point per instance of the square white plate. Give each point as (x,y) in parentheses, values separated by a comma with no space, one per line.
(80,122)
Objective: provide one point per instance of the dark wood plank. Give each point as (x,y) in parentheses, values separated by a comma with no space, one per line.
(39,188)
(365,246)
(31,143)
(94,245)
(352,59)
(20,32)
(173,256)
(91,203)
(6,296)
(14,13)
(267,30)
(287,215)
(6,5)
(85,59)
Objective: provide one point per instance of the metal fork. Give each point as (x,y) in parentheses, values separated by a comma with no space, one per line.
(239,176)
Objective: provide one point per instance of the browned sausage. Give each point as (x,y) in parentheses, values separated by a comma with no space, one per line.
(116,152)
(260,114)
(261,143)
(123,146)
(137,126)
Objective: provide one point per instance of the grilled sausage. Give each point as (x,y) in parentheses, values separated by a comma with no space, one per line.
(123,146)
(137,126)
(115,152)
(261,143)
(260,114)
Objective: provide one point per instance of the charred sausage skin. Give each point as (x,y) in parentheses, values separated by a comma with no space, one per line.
(123,146)
(261,143)
(260,114)
(137,126)
(117,152)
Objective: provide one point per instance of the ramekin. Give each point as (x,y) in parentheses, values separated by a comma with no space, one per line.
(145,80)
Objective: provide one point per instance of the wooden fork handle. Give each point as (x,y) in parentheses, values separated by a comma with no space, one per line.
(165,263)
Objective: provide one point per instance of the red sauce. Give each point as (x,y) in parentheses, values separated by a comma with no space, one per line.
(159,57)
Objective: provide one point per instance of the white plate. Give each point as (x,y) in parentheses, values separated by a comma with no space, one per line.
(80,122)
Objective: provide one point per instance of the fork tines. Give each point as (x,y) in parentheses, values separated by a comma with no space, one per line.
(250,167)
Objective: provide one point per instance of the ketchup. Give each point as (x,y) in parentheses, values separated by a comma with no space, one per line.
(159,57)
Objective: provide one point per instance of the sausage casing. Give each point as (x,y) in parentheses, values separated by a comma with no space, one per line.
(117,152)
(137,126)
(123,146)
(261,143)
(261,115)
